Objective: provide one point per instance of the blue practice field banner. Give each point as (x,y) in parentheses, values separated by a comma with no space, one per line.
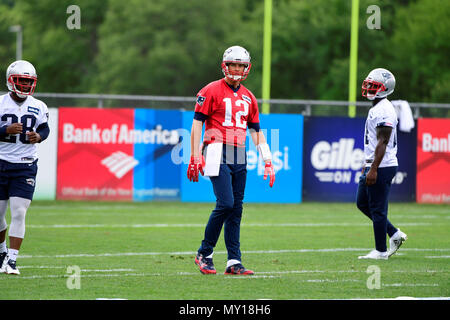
(156,176)
(284,134)
(404,184)
(334,155)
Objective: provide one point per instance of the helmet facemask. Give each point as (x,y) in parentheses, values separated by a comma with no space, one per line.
(22,85)
(371,88)
(236,76)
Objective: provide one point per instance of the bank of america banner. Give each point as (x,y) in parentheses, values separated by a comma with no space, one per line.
(117,154)
(433,161)
(333,156)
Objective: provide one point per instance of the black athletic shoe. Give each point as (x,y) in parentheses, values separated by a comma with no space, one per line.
(238,269)
(206,265)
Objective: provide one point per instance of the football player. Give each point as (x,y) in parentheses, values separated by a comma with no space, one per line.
(23,123)
(380,149)
(227,108)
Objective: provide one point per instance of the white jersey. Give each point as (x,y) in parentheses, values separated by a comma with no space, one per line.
(382,114)
(31,113)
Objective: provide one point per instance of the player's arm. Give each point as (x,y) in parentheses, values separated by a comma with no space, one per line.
(383,136)
(13,128)
(260,142)
(196,135)
(195,162)
(41,133)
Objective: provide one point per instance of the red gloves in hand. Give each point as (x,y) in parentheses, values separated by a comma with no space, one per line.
(195,166)
(269,171)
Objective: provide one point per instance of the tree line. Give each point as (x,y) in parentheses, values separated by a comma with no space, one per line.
(172,47)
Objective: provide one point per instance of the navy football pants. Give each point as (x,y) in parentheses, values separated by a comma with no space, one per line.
(373,202)
(17,179)
(229,188)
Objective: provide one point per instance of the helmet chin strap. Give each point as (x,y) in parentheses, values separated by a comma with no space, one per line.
(19,94)
(235,77)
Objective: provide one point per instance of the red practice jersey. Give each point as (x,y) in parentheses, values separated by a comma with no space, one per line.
(228,112)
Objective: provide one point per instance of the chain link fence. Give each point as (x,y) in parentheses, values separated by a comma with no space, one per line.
(305,107)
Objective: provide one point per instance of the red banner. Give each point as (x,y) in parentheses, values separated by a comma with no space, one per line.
(433,161)
(95,154)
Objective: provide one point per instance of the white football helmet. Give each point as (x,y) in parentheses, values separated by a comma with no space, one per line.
(16,72)
(236,54)
(378,84)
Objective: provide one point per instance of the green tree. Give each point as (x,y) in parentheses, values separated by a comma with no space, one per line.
(163,47)
(63,58)
(421,47)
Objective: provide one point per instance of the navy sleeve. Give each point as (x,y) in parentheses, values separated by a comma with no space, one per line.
(200,116)
(3,131)
(254,126)
(43,131)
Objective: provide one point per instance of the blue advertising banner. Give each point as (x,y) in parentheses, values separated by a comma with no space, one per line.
(156,177)
(334,155)
(404,184)
(284,134)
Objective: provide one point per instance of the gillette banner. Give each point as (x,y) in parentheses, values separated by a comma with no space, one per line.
(117,154)
(333,156)
(284,134)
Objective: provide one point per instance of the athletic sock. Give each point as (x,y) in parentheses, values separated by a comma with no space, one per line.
(12,254)
(3,247)
(232,262)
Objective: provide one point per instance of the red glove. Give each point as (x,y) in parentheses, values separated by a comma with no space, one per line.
(195,165)
(269,171)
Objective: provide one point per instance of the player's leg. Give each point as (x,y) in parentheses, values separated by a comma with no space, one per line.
(378,198)
(4,187)
(362,202)
(19,207)
(21,190)
(3,227)
(224,204)
(397,237)
(233,222)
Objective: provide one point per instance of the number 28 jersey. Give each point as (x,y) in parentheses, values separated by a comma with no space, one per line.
(228,112)
(31,113)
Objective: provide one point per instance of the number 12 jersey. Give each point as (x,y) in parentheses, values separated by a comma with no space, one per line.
(228,112)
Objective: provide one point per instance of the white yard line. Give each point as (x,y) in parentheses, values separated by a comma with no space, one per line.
(83,270)
(410,285)
(202,225)
(90,255)
(258,275)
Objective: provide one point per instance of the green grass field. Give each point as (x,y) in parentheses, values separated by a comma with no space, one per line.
(146,251)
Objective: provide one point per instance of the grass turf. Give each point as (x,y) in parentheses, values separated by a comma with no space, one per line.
(146,251)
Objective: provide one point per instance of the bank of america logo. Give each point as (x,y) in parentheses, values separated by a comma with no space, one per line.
(119,163)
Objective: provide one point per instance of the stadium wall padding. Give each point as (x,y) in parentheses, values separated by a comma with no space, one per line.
(333,157)
(142,155)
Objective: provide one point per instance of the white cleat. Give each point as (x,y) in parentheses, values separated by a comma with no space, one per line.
(11,268)
(376,255)
(396,241)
